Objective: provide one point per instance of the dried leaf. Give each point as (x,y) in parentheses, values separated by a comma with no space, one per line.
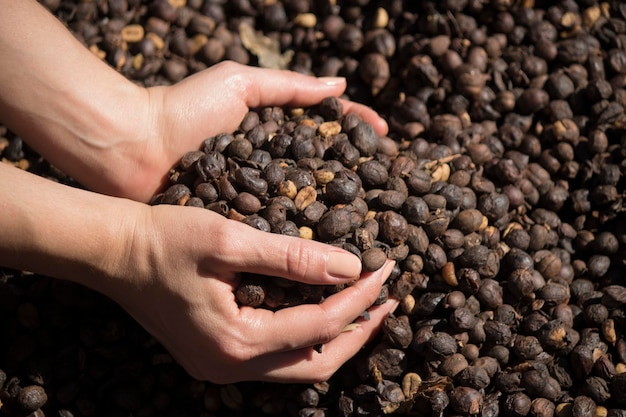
(266,49)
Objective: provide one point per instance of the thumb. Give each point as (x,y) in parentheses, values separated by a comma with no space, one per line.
(270,87)
(283,256)
(282,87)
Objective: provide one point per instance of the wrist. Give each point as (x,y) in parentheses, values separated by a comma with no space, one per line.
(64,232)
(72,108)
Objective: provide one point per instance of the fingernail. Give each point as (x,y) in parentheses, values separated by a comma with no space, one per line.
(332,80)
(343,265)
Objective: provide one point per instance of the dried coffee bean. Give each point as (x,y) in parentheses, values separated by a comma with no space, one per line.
(342,189)
(542,407)
(468,221)
(428,302)
(177,194)
(554,293)
(410,384)
(397,331)
(333,224)
(508,382)
(517,404)
(466,400)
(250,180)
(521,283)
(596,388)
(391,200)
(442,344)
(497,332)
(437,224)
(389,362)
(393,227)
(390,395)
(31,398)
(474,377)
(288,228)
(418,181)
(451,365)
(250,293)
(583,406)
(462,319)
(526,347)
(473,257)
(373,259)
(614,296)
(331,108)
(489,294)
(246,203)
(434,258)
(372,173)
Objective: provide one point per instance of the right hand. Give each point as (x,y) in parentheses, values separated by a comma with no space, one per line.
(183,264)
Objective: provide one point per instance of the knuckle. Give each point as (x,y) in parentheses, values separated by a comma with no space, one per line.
(226,241)
(298,260)
(227,66)
(236,77)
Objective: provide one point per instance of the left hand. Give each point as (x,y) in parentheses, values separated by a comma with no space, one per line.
(213,101)
(114,136)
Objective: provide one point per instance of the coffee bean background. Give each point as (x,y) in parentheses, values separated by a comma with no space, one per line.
(499,192)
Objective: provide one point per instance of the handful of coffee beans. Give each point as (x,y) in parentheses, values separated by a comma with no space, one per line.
(312,173)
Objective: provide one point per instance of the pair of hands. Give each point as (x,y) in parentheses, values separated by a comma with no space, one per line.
(174,269)
(187,297)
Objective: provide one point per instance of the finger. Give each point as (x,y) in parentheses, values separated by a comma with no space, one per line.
(245,249)
(310,324)
(269,87)
(308,366)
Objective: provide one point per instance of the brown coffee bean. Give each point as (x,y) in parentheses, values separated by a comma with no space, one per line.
(452,365)
(466,400)
(31,398)
(373,259)
(397,331)
(250,294)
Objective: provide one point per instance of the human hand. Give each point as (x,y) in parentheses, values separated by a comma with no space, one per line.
(175,270)
(112,135)
(214,101)
(185,263)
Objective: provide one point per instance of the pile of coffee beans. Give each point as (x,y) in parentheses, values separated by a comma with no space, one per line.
(499,191)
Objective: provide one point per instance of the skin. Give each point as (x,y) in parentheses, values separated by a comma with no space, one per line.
(174,269)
